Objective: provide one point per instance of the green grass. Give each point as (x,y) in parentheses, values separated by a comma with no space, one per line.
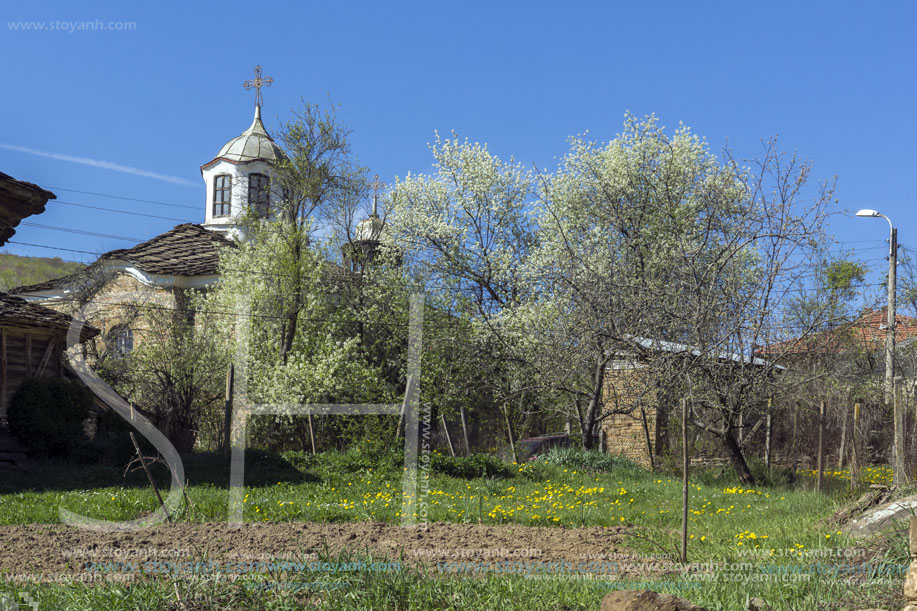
(764,527)
(16,270)
(425,588)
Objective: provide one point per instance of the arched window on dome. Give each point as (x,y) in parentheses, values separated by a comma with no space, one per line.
(259,193)
(222,195)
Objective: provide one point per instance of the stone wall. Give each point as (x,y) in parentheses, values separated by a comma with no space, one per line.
(121,300)
(625,391)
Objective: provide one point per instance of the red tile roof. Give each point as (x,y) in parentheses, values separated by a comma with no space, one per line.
(866,332)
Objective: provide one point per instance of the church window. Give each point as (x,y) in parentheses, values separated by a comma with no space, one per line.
(222,195)
(259,193)
(122,339)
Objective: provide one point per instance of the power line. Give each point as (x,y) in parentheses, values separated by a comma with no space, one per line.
(439,285)
(51,247)
(130,199)
(152,216)
(82,232)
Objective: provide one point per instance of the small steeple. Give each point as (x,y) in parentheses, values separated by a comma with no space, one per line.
(376,185)
(367,236)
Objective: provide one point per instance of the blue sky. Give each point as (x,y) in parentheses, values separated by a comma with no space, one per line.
(833,79)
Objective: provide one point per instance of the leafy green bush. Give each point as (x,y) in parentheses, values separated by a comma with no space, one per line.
(471,467)
(46,416)
(112,443)
(590,460)
(353,460)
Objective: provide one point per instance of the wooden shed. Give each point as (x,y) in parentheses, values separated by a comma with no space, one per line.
(32,343)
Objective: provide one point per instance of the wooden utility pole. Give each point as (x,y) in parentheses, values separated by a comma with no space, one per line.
(227,411)
(684,481)
(821,447)
(446,431)
(855,448)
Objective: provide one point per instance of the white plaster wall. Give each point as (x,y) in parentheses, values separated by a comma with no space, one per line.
(239,173)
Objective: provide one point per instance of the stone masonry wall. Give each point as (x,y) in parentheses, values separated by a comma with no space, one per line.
(625,389)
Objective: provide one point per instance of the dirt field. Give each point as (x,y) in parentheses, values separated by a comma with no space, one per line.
(46,550)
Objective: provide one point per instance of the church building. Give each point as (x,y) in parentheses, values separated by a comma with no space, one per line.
(114,290)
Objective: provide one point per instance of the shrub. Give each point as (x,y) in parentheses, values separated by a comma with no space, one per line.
(353,460)
(471,467)
(46,416)
(590,460)
(112,443)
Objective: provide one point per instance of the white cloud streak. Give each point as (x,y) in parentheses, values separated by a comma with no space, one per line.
(105,165)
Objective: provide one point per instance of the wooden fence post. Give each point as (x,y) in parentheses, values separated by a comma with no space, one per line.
(684,481)
(149,476)
(465,430)
(646,436)
(509,431)
(227,411)
(793,456)
(900,473)
(855,448)
(446,431)
(821,447)
(842,450)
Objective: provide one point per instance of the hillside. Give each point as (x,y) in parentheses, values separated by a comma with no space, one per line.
(16,270)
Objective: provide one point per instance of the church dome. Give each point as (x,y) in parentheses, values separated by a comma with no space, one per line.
(369,229)
(253,144)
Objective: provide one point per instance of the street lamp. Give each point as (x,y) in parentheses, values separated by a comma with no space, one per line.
(890,324)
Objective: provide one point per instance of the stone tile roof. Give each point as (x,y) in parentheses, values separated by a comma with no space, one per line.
(15,311)
(184,250)
(48,284)
(19,199)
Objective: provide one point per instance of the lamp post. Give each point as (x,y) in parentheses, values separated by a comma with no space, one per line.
(890,331)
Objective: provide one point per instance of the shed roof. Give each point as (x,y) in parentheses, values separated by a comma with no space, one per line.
(16,311)
(19,199)
(674,347)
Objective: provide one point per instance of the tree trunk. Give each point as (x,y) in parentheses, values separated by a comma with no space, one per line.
(181,434)
(737,458)
(593,413)
(292,317)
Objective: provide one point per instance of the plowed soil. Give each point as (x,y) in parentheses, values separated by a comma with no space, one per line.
(50,551)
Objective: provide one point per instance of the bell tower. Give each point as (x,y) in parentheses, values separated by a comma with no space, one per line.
(239,176)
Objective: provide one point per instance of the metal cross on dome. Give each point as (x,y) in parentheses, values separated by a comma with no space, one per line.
(258,83)
(376,186)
